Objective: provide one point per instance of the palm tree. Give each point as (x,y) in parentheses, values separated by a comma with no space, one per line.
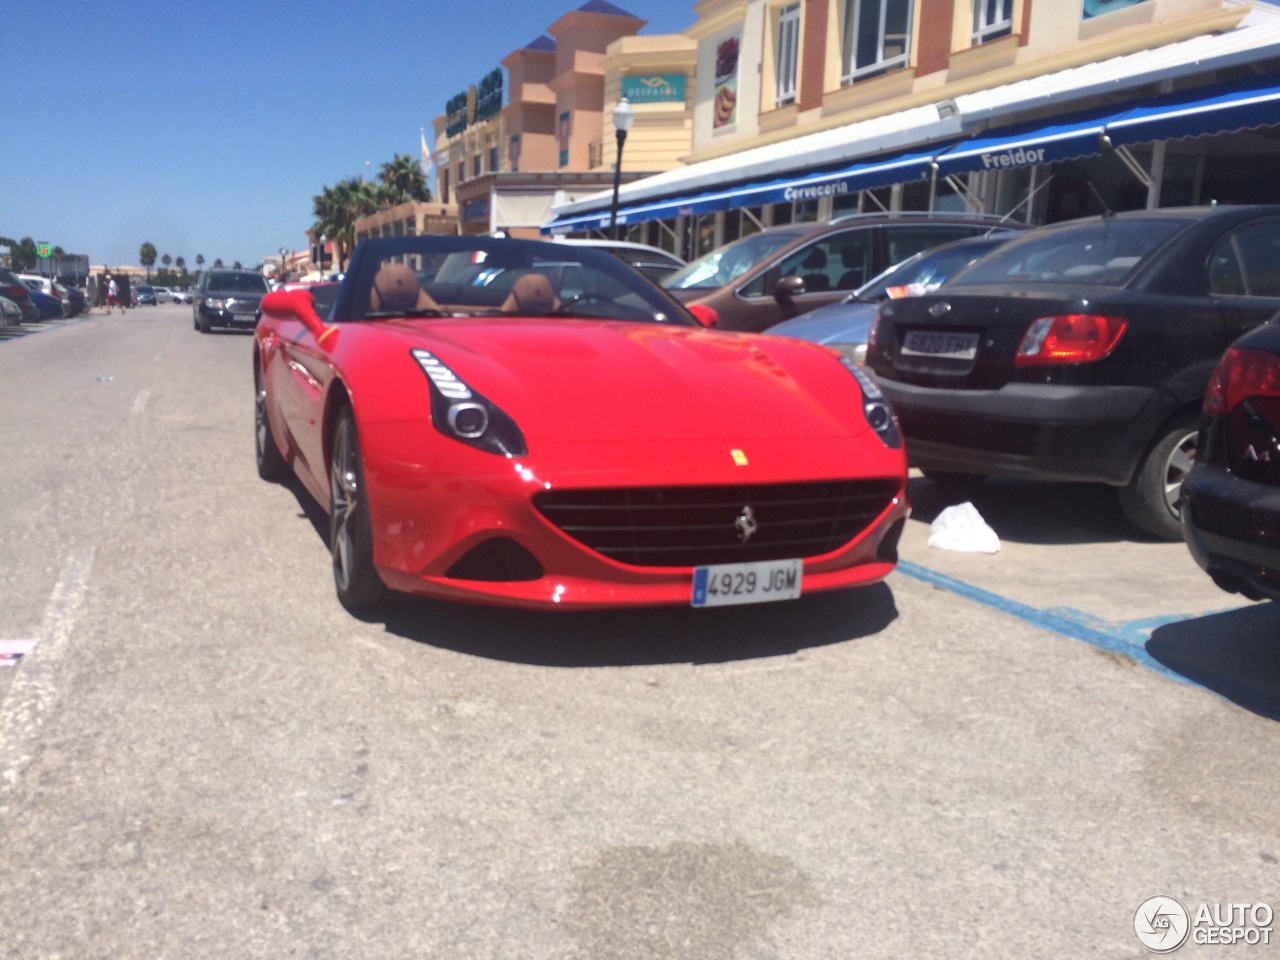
(217,264)
(337,209)
(147,257)
(166,260)
(404,180)
(199,263)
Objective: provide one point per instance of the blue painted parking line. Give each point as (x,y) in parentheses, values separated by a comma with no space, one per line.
(1128,639)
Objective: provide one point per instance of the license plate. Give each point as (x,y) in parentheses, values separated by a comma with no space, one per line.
(956,346)
(723,584)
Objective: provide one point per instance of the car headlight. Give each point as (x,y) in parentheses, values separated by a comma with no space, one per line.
(874,405)
(213,304)
(459,412)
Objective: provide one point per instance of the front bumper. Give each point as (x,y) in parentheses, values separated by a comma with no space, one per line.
(425,521)
(229,318)
(1232,527)
(1036,431)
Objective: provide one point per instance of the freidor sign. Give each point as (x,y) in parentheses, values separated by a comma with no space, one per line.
(1012,158)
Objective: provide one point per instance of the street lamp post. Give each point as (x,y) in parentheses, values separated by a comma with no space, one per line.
(623,117)
(284,275)
(320,254)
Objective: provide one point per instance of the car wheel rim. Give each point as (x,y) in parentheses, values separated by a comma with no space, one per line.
(343,491)
(1176,469)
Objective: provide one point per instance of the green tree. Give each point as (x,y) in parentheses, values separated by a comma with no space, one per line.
(166,260)
(199,263)
(404,181)
(237,265)
(23,255)
(147,257)
(217,264)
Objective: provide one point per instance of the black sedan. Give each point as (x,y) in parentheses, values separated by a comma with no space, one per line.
(1231,500)
(1081,351)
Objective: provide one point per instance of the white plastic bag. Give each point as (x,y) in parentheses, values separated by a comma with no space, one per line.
(962,528)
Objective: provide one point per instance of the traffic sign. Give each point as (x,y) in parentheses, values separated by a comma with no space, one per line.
(42,250)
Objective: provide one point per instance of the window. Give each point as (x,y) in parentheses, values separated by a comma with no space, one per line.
(991,19)
(493,159)
(444,187)
(1245,263)
(839,261)
(476,165)
(788,53)
(462,171)
(877,37)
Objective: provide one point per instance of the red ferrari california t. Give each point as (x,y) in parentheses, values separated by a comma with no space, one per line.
(538,425)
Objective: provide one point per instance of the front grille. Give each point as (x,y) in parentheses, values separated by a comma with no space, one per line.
(693,526)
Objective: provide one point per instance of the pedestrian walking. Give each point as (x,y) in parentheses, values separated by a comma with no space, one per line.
(113,295)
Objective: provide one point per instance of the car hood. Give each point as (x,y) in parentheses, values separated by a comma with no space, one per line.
(836,323)
(588,380)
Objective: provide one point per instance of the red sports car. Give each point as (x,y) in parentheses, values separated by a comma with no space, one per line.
(538,425)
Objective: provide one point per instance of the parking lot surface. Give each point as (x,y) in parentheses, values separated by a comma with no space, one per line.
(985,756)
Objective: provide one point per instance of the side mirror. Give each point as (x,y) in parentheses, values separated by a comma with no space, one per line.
(297,305)
(788,287)
(704,315)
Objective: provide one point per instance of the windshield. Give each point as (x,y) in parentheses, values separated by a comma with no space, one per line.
(1102,252)
(729,262)
(237,283)
(451,276)
(925,271)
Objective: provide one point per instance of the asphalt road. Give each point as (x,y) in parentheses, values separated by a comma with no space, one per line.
(206,756)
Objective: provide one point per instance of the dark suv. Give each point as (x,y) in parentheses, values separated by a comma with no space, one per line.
(782,272)
(229,298)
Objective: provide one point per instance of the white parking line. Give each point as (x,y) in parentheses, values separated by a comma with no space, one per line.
(140,401)
(33,691)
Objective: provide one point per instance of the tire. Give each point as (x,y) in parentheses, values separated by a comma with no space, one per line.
(1150,499)
(359,587)
(272,466)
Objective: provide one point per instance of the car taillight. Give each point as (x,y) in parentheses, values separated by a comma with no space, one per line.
(1240,375)
(1070,338)
(18,291)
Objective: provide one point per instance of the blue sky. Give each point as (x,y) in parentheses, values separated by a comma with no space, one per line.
(206,128)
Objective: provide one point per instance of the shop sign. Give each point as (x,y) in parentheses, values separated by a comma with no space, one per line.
(655,88)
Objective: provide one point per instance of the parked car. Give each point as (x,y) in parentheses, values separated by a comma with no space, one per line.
(146,295)
(75,301)
(182,296)
(228,298)
(13,287)
(491,449)
(654,262)
(1231,499)
(10,313)
(165,295)
(1081,351)
(844,326)
(50,306)
(782,272)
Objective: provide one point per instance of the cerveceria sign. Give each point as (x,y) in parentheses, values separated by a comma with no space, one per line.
(654,88)
(476,103)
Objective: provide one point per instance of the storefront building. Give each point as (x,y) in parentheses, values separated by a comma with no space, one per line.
(1041,110)
(504,166)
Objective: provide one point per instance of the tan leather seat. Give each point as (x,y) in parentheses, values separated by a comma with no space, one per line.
(531,294)
(396,288)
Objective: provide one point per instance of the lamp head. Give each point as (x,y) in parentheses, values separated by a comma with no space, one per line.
(623,116)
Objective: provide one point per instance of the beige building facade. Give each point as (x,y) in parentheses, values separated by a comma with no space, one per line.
(804,109)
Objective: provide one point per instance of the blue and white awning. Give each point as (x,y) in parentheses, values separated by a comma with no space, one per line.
(809,185)
(1223,108)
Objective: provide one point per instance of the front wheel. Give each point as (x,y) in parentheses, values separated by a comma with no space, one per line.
(1152,499)
(272,465)
(359,587)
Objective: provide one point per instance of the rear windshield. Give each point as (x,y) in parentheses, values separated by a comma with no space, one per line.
(1102,252)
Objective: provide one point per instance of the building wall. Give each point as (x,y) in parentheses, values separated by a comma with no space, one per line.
(662,132)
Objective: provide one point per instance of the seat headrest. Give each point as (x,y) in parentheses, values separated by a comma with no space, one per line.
(395,287)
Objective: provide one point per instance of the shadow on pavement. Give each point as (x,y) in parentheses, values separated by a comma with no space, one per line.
(634,637)
(1028,511)
(1235,654)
